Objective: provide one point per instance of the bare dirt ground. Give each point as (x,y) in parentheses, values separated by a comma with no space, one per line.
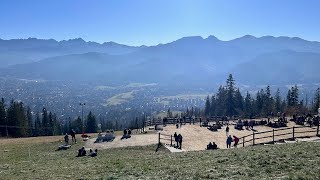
(135,140)
(196,138)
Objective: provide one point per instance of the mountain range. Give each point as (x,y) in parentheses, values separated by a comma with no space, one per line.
(193,61)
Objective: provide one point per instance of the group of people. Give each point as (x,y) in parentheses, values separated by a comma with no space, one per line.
(73,137)
(235,139)
(82,152)
(126,134)
(178,140)
(212,145)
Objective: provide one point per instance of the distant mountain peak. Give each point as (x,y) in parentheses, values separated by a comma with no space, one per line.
(248,37)
(212,38)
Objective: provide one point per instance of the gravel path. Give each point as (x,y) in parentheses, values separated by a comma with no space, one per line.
(195,138)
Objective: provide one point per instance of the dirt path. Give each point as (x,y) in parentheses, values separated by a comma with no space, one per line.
(135,140)
(195,138)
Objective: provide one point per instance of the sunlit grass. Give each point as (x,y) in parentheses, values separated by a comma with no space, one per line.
(290,161)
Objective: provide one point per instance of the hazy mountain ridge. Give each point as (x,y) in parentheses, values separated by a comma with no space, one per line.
(194,60)
(19,51)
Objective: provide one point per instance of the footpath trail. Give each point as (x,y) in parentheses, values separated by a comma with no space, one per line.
(195,138)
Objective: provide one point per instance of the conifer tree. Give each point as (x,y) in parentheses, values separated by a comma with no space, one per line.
(207,107)
(91,123)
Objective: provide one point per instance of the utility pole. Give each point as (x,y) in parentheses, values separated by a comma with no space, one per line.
(82,104)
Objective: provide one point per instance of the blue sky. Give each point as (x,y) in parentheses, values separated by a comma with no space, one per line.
(150,22)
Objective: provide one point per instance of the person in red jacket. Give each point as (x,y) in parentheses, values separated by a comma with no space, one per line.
(236,141)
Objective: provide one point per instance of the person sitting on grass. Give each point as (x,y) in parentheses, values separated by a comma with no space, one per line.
(210,146)
(125,134)
(93,153)
(66,139)
(82,152)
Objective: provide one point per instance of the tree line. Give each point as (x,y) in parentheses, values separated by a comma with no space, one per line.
(18,120)
(229,101)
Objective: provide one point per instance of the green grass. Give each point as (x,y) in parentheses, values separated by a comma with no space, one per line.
(290,161)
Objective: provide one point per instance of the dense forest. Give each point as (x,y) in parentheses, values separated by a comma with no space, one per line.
(18,120)
(229,101)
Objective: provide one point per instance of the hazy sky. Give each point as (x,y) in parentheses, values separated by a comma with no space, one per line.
(149,22)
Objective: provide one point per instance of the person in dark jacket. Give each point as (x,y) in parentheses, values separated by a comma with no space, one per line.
(229,141)
(66,139)
(176,139)
(180,141)
(227,130)
(73,136)
(82,152)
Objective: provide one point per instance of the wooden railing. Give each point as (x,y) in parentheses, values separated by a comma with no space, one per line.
(165,137)
(278,134)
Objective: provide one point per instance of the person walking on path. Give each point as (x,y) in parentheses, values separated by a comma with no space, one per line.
(229,141)
(227,130)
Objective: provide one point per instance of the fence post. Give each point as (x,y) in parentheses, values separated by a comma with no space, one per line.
(243,142)
(253,138)
(273,136)
(293,133)
(171,140)
(159,139)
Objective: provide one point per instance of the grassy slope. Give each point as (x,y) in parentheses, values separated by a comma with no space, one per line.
(261,162)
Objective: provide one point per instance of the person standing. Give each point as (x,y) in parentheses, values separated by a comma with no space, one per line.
(73,136)
(229,141)
(180,141)
(66,139)
(176,139)
(227,130)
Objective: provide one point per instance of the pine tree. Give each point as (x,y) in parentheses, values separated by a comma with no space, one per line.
(45,122)
(277,106)
(91,123)
(50,124)
(239,103)
(221,101)
(213,106)
(30,121)
(316,104)
(76,125)
(207,107)
(169,113)
(230,101)
(37,125)
(2,118)
(248,108)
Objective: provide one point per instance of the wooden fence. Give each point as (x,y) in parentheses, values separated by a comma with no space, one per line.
(279,134)
(165,139)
